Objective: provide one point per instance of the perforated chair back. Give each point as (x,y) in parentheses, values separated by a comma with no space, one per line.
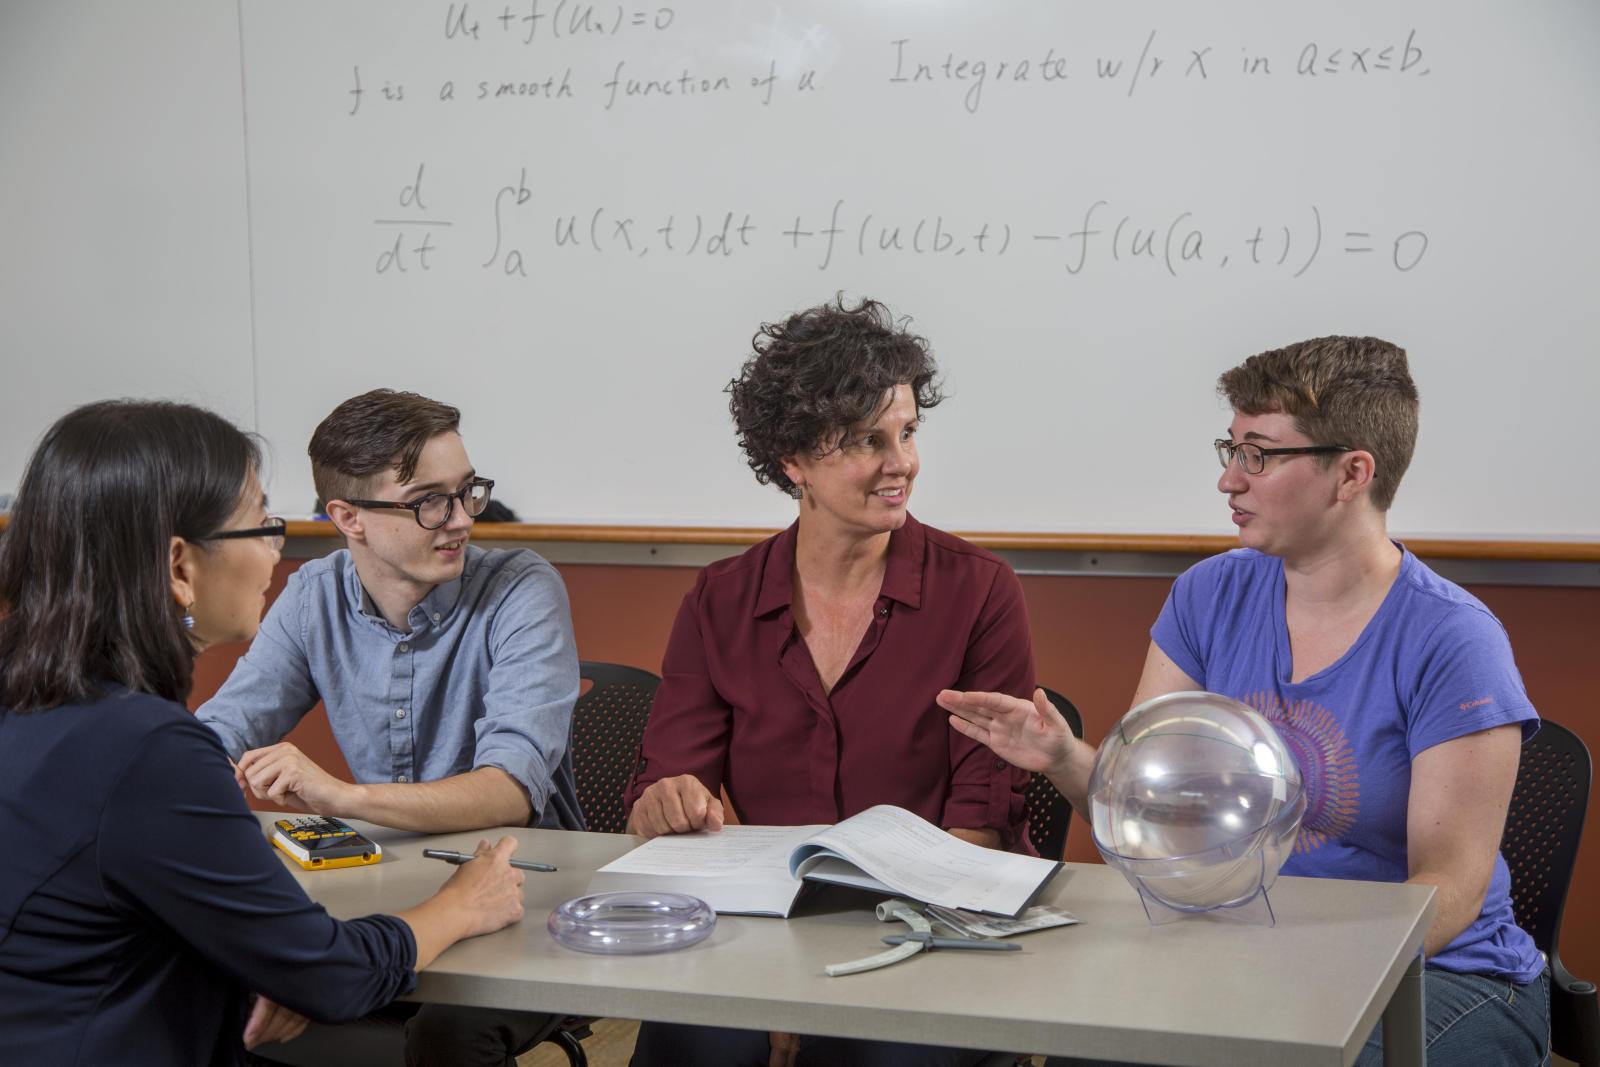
(607,728)
(1544,826)
(1048,811)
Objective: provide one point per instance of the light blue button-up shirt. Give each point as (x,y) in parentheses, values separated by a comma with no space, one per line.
(487,677)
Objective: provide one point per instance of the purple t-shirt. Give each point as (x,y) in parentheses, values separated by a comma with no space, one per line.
(1432,665)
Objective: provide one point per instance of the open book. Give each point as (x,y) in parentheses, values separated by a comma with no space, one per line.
(758,870)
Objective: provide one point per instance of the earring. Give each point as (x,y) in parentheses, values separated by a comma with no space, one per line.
(188,617)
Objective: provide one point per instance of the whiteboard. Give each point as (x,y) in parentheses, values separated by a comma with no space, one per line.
(569,219)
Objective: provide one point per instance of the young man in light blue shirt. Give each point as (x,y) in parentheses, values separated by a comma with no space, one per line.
(449,672)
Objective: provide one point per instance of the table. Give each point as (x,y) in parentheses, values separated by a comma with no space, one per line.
(1203,991)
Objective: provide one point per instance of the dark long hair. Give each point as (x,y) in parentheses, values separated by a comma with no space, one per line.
(85,589)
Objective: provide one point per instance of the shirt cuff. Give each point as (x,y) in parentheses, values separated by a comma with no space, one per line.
(535,785)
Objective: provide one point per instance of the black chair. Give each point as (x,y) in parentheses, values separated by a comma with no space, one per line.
(1543,827)
(607,728)
(1048,810)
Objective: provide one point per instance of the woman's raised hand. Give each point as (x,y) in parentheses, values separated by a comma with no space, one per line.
(1032,736)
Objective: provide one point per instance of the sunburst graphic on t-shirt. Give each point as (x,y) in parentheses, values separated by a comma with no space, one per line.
(1327,766)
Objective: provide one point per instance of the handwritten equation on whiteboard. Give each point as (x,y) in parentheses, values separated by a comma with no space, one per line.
(513,226)
(1156,62)
(616,59)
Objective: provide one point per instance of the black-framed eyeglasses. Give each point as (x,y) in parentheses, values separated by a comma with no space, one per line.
(273,531)
(1253,458)
(433,511)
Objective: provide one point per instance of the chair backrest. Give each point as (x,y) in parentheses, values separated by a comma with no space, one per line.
(1048,810)
(607,729)
(1543,826)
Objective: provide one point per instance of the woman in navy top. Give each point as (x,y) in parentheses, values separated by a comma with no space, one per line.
(1395,688)
(143,917)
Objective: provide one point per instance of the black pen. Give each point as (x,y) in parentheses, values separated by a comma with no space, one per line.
(463,857)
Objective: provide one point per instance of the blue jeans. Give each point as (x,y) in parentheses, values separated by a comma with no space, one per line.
(1478,1019)
(1469,1020)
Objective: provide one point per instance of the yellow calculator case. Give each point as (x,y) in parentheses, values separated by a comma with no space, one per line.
(317,843)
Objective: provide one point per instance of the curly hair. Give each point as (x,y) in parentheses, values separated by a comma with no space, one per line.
(818,373)
(1351,391)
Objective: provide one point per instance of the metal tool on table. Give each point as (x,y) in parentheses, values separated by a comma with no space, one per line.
(921,938)
(930,942)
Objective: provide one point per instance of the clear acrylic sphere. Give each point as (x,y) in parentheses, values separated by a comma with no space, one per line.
(1196,800)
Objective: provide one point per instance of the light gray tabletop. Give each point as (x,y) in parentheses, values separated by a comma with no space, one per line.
(1199,991)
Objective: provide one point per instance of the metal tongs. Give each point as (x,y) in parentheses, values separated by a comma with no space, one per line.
(929,942)
(921,938)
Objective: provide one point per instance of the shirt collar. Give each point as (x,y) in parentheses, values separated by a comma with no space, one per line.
(442,599)
(902,577)
(432,609)
(908,547)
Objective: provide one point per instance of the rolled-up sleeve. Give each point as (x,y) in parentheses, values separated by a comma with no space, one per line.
(689,724)
(177,846)
(986,791)
(533,684)
(270,689)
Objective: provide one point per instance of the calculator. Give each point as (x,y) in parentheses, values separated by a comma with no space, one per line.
(318,842)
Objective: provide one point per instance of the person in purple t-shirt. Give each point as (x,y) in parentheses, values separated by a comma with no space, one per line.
(1395,688)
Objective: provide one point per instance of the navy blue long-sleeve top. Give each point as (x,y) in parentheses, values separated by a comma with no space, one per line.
(140,904)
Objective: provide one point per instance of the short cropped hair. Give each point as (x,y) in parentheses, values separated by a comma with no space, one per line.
(818,373)
(371,434)
(1352,391)
(85,585)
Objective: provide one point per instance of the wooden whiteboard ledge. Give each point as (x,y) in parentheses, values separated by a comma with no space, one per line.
(1466,562)
(1185,544)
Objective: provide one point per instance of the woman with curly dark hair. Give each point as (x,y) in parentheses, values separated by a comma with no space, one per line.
(800,677)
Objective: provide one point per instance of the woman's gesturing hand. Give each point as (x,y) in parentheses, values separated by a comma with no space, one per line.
(1032,736)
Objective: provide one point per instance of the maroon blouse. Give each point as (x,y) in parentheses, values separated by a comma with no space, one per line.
(741,704)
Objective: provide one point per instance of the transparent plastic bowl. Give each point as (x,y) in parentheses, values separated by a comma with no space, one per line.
(631,923)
